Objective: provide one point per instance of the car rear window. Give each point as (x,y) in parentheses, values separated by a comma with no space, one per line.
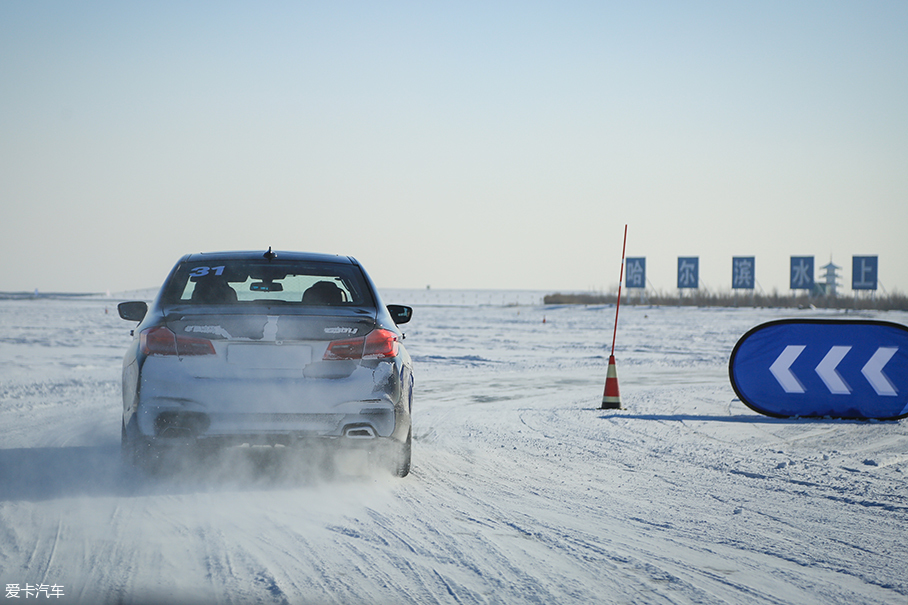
(241,282)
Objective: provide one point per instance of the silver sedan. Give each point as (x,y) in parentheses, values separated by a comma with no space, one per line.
(279,348)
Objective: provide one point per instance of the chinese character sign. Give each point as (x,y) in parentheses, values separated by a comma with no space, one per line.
(636,272)
(802,273)
(688,272)
(864,272)
(743,275)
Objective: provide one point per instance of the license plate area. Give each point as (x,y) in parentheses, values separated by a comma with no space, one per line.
(278,357)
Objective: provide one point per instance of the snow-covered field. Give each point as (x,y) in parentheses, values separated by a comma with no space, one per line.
(522,490)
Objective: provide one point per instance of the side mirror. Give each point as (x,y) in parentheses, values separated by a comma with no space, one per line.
(400,314)
(134,310)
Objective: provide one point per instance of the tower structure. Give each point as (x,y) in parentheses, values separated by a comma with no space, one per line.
(831,278)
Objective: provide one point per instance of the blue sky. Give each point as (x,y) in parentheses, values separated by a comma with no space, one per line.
(457,145)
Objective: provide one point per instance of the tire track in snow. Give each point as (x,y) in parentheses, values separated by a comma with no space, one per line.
(522,490)
(623,450)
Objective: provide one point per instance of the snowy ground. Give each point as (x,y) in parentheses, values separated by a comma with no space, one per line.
(522,491)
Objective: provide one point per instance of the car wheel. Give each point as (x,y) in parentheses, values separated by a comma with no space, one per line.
(403,455)
(127,445)
(135,450)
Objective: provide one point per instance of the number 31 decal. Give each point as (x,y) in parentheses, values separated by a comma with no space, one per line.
(203,271)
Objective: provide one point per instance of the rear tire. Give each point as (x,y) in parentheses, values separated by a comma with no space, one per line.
(403,456)
(136,451)
(127,446)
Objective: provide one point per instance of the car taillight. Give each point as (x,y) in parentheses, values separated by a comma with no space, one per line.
(380,344)
(161,341)
(377,344)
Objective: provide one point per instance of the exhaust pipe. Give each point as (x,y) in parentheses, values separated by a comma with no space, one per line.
(362,431)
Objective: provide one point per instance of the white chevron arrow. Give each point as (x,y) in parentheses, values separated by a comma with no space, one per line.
(826,371)
(781,369)
(873,371)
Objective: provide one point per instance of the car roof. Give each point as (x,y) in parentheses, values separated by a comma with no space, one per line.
(278,255)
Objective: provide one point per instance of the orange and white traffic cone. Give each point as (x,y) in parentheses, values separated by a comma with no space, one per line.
(611,398)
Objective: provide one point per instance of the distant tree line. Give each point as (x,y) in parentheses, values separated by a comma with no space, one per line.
(696,298)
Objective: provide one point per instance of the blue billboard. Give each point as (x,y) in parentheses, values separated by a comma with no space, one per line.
(688,272)
(864,272)
(801,273)
(635,272)
(823,367)
(743,274)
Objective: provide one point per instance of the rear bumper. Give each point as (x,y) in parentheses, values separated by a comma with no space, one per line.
(366,404)
(165,418)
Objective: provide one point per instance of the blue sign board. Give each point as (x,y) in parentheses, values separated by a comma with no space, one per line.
(864,272)
(635,269)
(743,275)
(817,368)
(688,272)
(802,273)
